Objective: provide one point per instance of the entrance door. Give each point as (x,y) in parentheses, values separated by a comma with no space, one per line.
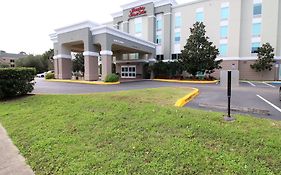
(128,71)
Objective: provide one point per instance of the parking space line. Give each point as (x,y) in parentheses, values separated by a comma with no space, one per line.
(269,85)
(252,84)
(268,102)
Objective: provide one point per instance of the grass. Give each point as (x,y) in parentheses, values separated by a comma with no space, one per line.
(137,132)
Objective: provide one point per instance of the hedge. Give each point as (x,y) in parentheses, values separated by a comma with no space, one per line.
(112,78)
(16,81)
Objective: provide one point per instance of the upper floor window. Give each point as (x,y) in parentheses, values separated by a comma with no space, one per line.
(158,24)
(224,31)
(257,9)
(223,49)
(178,22)
(177,37)
(255,47)
(200,16)
(224,13)
(256,31)
(158,39)
(138,25)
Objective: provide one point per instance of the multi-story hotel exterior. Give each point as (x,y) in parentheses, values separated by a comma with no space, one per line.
(152,30)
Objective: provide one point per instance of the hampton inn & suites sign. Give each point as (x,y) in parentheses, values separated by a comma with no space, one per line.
(137,11)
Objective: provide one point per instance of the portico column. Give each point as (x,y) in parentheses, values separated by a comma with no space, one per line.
(56,68)
(91,66)
(151,61)
(106,61)
(64,66)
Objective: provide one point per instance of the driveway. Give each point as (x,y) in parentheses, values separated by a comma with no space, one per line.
(258,99)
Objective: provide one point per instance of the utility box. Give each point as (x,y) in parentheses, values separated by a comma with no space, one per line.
(234,78)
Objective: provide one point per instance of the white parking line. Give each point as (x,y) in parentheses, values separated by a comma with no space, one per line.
(252,84)
(269,85)
(268,102)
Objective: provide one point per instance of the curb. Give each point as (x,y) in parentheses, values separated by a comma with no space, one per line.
(83,82)
(187,81)
(186,99)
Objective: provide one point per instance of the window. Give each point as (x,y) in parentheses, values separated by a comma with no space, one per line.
(159,57)
(177,38)
(158,39)
(224,31)
(175,56)
(257,9)
(200,16)
(158,24)
(225,13)
(12,65)
(128,71)
(120,26)
(138,27)
(12,61)
(223,49)
(255,47)
(178,22)
(256,31)
(133,56)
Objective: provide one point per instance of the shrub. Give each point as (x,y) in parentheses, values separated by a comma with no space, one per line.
(16,81)
(111,78)
(50,75)
(168,70)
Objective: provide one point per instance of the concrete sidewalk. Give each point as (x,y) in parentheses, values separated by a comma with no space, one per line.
(11,162)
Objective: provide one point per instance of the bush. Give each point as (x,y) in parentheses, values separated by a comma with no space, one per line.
(50,75)
(16,81)
(112,78)
(169,70)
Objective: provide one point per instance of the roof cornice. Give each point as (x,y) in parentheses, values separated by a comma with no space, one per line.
(118,33)
(117,14)
(157,3)
(189,3)
(81,25)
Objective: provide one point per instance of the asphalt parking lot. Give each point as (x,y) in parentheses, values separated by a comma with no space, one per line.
(254,98)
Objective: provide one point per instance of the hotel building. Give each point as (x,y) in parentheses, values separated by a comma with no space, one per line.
(152,30)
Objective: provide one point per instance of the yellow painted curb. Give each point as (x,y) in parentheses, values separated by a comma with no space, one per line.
(84,82)
(184,100)
(187,81)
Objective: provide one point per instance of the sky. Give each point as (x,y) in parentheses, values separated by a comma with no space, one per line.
(26,24)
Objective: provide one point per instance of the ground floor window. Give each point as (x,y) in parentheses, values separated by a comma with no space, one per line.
(128,71)
(176,56)
(159,57)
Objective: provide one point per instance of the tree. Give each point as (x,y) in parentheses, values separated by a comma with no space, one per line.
(78,63)
(48,55)
(265,59)
(199,54)
(35,61)
(42,63)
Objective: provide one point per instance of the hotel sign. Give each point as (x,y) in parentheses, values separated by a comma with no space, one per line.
(137,11)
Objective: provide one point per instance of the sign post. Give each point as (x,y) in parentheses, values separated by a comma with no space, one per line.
(228,117)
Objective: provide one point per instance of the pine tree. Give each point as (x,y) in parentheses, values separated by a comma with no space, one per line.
(265,59)
(199,54)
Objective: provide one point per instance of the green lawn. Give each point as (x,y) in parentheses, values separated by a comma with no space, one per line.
(137,132)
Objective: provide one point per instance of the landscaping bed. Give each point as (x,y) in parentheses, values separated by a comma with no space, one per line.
(137,132)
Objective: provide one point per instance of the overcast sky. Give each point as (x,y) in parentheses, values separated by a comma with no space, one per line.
(26,24)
